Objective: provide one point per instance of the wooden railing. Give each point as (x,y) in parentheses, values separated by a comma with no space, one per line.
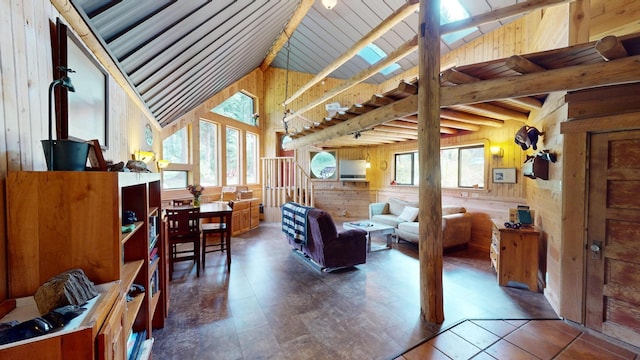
(284,180)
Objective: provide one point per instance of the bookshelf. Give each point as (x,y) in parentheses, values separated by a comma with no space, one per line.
(61,220)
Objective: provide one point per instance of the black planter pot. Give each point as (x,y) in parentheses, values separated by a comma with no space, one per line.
(68,155)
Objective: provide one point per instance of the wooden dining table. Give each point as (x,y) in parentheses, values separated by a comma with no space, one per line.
(216,210)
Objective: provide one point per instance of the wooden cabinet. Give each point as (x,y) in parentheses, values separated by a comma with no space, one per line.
(255,214)
(514,255)
(60,220)
(246,215)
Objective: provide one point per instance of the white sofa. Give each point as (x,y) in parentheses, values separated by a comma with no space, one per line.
(456,222)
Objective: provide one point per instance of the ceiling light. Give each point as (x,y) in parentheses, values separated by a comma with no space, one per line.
(329,4)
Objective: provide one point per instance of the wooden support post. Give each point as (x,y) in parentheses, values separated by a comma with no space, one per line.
(430,247)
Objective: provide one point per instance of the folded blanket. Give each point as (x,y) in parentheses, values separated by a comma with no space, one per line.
(294,221)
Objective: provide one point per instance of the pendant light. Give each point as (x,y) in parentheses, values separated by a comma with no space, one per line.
(329,4)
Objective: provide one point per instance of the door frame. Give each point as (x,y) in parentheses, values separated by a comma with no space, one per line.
(575,180)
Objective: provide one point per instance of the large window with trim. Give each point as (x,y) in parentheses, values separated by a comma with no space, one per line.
(233,156)
(209,153)
(252,156)
(175,148)
(461,167)
(240,106)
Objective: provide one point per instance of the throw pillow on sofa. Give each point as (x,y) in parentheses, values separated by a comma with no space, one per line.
(409,213)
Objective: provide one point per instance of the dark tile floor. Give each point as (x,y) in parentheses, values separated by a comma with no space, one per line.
(272,305)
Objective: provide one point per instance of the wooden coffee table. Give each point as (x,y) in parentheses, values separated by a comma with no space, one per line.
(372,228)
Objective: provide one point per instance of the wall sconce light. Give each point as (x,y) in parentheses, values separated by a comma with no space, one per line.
(329,4)
(496,151)
(368,160)
(163,163)
(144,156)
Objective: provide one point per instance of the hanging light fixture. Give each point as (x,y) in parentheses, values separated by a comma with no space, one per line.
(285,121)
(329,4)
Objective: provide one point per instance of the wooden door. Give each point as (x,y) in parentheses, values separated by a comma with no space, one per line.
(613,236)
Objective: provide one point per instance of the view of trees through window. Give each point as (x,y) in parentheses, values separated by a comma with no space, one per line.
(239,106)
(461,167)
(252,156)
(208,153)
(175,149)
(233,156)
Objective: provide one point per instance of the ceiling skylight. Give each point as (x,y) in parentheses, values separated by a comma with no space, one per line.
(372,54)
(451,11)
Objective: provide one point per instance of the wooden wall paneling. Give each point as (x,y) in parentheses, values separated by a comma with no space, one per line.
(552,33)
(613,17)
(579,21)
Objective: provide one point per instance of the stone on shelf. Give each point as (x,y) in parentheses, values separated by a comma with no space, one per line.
(71,287)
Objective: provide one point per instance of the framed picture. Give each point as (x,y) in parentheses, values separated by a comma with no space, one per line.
(83,113)
(504,175)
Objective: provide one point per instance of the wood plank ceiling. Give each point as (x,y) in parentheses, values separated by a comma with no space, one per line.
(177,54)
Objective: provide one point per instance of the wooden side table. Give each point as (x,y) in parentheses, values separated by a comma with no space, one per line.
(515,255)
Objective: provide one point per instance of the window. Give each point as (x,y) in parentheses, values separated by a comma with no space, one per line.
(233,156)
(450,11)
(461,167)
(406,166)
(239,106)
(175,148)
(174,179)
(251,148)
(209,153)
(372,54)
(323,165)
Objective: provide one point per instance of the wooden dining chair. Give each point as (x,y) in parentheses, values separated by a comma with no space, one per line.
(181,202)
(184,228)
(219,226)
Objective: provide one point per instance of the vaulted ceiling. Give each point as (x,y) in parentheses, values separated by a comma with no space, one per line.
(177,54)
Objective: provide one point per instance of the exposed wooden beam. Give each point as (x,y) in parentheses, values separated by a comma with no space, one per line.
(458,125)
(404,50)
(611,48)
(578,77)
(402,124)
(454,76)
(619,71)
(508,11)
(447,130)
(492,111)
(395,110)
(429,173)
(295,20)
(396,130)
(470,118)
(397,16)
(523,65)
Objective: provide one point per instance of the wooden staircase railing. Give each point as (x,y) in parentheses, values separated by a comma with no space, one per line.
(284,180)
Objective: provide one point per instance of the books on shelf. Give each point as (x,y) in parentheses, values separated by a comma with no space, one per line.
(134,344)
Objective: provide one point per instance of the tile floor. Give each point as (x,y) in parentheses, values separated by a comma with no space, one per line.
(518,339)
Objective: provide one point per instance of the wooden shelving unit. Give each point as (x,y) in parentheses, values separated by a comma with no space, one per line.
(61,220)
